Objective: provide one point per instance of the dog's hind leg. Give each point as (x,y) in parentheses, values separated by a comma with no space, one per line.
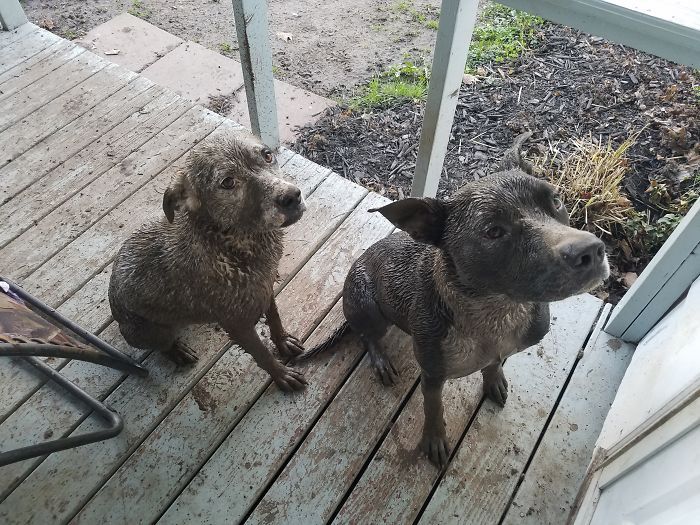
(140,333)
(366,319)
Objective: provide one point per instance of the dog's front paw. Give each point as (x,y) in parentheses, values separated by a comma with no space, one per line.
(289,380)
(289,346)
(496,389)
(435,447)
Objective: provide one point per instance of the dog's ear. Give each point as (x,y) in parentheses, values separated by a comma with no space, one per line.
(180,195)
(422,219)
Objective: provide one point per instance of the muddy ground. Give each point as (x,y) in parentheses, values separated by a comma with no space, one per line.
(335,44)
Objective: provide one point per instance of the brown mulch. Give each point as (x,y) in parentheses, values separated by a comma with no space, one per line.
(571,85)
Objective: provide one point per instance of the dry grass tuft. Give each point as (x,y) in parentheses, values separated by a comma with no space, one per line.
(589,180)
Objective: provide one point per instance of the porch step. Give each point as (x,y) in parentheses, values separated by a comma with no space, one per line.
(196,72)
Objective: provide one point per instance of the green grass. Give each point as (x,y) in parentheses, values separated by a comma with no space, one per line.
(428,19)
(225,48)
(138,9)
(407,81)
(501,35)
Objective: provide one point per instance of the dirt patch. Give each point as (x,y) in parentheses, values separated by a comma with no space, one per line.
(334,45)
(570,86)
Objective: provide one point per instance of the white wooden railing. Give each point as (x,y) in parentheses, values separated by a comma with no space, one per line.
(11,14)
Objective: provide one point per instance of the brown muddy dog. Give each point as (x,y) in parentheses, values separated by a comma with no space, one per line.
(470,279)
(213,258)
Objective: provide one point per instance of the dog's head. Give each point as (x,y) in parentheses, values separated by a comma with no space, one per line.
(235,183)
(507,234)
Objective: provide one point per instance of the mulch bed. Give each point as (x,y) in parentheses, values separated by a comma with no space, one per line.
(571,85)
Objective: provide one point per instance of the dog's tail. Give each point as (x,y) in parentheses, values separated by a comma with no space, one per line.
(325,345)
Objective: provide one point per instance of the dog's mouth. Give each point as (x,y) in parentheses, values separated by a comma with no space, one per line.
(292,216)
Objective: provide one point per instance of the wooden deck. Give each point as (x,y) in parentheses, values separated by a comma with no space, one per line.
(86,150)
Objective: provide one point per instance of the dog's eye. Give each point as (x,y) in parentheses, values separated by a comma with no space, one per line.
(228,183)
(556,201)
(267,155)
(495,232)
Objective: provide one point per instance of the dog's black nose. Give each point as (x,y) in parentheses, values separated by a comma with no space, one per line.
(289,199)
(583,254)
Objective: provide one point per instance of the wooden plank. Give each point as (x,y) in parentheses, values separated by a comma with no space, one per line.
(557,470)
(7,37)
(17,106)
(24,422)
(256,61)
(481,477)
(457,21)
(37,66)
(325,211)
(79,261)
(82,197)
(399,478)
(677,41)
(228,390)
(143,404)
(91,137)
(11,14)
(665,263)
(674,288)
(21,50)
(61,111)
(321,471)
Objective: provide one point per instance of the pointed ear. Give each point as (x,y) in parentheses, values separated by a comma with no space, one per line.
(422,219)
(179,196)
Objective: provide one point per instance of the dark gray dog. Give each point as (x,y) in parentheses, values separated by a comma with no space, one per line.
(215,258)
(470,280)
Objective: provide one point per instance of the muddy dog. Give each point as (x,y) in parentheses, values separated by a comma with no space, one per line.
(470,280)
(213,258)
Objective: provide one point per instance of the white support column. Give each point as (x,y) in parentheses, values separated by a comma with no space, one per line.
(11,14)
(256,58)
(457,19)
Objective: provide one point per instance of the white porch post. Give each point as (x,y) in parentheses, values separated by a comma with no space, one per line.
(457,19)
(11,14)
(256,59)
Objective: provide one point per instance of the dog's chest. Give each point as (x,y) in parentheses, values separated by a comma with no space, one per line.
(482,337)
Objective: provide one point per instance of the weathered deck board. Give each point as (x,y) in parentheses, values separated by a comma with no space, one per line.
(399,478)
(31,70)
(557,470)
(23,31)
(27,255)
(95,141)
(480,479)
(19,105)
(312,484)
(14,53)
(61,111)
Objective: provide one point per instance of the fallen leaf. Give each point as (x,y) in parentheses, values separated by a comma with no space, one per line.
(47,23)
(628,279)
(286,37)
(469,79)
(112,52)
